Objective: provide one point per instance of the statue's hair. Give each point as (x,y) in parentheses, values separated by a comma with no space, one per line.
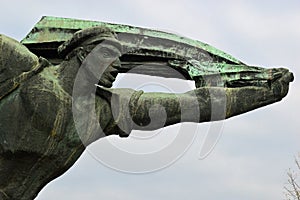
(99,33)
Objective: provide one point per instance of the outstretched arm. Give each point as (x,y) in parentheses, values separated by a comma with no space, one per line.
(135,110)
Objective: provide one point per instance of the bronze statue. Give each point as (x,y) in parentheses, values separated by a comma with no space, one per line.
(45,103)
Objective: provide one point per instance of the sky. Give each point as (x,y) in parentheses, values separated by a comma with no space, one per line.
(253,151)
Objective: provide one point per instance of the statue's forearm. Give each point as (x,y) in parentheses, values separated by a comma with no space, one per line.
(156,110)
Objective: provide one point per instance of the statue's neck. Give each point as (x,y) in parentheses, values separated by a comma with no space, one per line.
(71,76)
(67,73)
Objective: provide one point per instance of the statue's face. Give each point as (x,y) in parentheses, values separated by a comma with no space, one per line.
(109,57)
(100,65)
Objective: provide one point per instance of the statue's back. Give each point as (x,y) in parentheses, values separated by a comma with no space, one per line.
(17,64)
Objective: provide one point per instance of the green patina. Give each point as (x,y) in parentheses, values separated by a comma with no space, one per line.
(194,59)
(56,29)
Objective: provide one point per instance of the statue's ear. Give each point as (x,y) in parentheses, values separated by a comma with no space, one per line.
(81,54)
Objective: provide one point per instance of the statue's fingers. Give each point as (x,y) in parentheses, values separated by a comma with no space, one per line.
(280,86)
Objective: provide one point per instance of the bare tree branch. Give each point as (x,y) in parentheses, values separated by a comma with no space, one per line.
(292,191)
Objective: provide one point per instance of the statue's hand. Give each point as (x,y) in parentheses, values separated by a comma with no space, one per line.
(280,86)
(217,103)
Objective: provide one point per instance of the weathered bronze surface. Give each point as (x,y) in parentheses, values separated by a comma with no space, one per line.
(39,137)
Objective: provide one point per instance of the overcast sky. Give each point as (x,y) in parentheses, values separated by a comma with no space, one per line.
(255,150)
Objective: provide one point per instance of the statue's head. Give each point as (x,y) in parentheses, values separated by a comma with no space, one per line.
(87,39)
(109,49)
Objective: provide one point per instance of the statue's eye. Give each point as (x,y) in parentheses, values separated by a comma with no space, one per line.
(108,53)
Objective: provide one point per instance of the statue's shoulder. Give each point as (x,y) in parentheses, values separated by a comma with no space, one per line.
(17,64)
